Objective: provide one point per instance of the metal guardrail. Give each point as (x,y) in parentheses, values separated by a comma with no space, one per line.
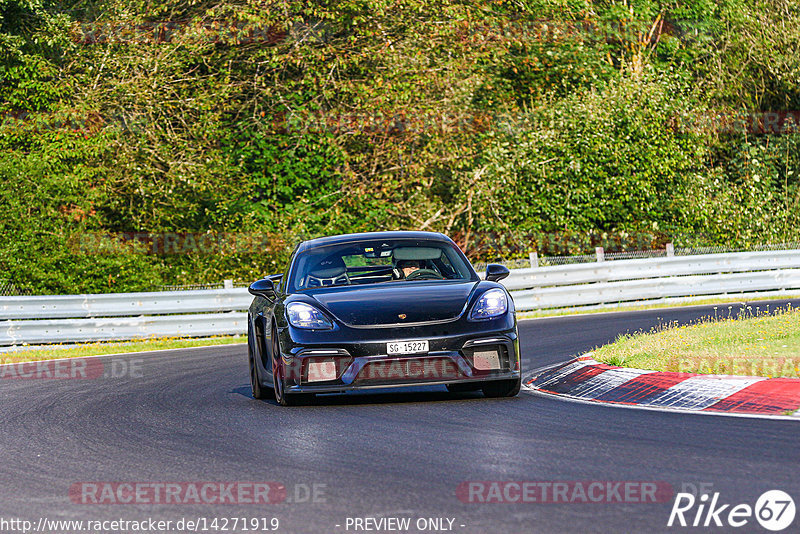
(125,316)
(607,271)
(124,328)
(124,304)
(654,289)
(122,316)
(653,279)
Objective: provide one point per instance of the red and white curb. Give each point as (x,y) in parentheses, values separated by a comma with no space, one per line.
(589,380)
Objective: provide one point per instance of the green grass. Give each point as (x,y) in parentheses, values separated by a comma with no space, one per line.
(751,344)
(100,348)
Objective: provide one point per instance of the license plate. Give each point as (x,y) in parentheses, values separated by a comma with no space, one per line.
(407,347)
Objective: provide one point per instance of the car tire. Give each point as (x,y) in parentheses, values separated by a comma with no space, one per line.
(288,399)
(279,381)
(255,380)
(502,388)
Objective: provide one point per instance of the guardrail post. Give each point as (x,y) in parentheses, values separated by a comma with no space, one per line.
(601,255)
(670,250)
(534,257)
(227,284)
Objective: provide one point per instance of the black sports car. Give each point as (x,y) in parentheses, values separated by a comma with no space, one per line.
(383,309)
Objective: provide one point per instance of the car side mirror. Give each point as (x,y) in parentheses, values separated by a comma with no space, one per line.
(263,288)
(495,272)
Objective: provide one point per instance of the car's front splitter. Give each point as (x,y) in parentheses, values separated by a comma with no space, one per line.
(341,388)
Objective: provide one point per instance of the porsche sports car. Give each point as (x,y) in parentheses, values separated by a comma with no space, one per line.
(379,310)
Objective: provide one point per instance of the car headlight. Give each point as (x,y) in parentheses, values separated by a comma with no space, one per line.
(493,303)
(302,315)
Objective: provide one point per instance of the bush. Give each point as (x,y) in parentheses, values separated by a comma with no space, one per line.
(497,123)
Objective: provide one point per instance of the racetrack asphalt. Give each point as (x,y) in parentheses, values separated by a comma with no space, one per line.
(188,416)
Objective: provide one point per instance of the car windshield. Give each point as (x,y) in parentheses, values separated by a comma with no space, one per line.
(374,262)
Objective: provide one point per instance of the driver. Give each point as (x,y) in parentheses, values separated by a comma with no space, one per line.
(406,267)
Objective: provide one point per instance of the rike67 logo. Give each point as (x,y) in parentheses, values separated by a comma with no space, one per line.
(774,510)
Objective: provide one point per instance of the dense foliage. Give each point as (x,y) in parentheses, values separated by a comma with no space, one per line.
(148,143)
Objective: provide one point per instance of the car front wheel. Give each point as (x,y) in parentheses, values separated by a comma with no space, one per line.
(279,379)
(255,380)
(502,388)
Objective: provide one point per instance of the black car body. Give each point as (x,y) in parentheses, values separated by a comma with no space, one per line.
(382,309)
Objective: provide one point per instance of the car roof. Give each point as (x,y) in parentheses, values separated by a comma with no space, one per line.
(366,236)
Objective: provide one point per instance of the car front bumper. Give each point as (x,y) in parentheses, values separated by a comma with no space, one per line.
(457,354)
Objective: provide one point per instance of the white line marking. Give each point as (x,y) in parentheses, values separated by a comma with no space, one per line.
(606,381)
(129,353)
(567,398)
(698,392)
(644,307)
(530,375)
(567,369)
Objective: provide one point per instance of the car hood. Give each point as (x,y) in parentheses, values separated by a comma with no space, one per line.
(397,303)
